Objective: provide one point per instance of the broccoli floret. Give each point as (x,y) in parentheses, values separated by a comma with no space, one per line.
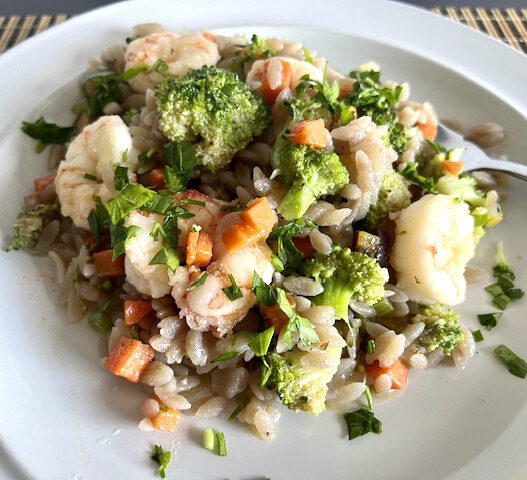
(346,276)
(442,328)
(309,174)
(302,387)
(29,224)
(393,196)
(484,208)
(213,109)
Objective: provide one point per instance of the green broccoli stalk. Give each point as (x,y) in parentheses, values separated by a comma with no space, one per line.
(302,387)
(346,276)
(393,196)
(309,174)
(213,109)
(442,328)
(29,224)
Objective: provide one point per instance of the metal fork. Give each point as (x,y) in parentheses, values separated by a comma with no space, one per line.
(474,158)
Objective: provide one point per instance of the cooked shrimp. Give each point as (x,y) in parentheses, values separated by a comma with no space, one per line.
(153,279)
(207,307)
(206,216)
(433,243)
(299,68)
(89,167)
(181,52)
(148,279)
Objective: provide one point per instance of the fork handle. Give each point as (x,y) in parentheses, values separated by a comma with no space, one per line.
(515,169)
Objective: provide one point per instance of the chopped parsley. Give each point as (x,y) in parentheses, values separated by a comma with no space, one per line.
(370,346)
(225,356)
(134,334)
(255,49)
(146,156)
(489,320)
(264,293)
(233,292)
(516,365)
(411,174)
(47,133)
(121,177)
(190,201)
(100,320)
(287,253)
(130,198)
(119,235)
(162,458)
(182,159)
(306,330)
(198,282)
(166,256)
(477,335)
(360,422)
(89,176)
(243,403)
(261,342)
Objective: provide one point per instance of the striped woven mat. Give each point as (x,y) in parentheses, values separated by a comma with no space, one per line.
(506,24)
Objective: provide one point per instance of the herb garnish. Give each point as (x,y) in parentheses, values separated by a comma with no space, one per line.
(360,422)
(100,320)
(411,174)
(182,159)
(516,365)
(225,356)
(233,292)
(264,293)
(198,282)
(47,133)
(121,177)
(489,320)
(243,403)
(162,458)
(287,252)
(260,344)
(477,335)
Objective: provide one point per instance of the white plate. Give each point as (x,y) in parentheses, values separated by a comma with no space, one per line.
(64,417)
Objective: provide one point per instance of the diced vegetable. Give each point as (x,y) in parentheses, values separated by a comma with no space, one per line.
(259,215)
(454,168)
(429,130)
(222,444)
(105,267)
(398,372)
(360,422)
(303,244)
(256,223)
(310,132)
(199,248)
(208,439)
(42,183)
(156,179)
(162,458)
(516,365)
(166,419)
(136,310)
(269,94)
(129,359)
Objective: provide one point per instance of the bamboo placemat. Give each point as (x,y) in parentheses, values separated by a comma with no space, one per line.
(506,24)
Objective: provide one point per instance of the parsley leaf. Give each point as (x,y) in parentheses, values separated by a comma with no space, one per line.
(162,458)
(489,320)
(47,133)
(256,48)
(225,356)
(478,336)
(131,197)
(303,326)
(133,333)
(119,234)
(198,282)
(360,422)
(287,252)
(260,344)
(89,176)
(516,365)
(121,177)
(264,293)
(100,320)
(233,292)
(166,256)
(182,159)
(243,403)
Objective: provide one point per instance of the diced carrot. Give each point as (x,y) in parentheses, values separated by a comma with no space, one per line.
(256,223)
(105,267)
(310,132)
(269,94)
(42,183)
(199,248)
(304,245)
(166,419)
(209,36)
(129,358)
(135,311)
(157,179)
(259,215)
(275,317)
(241,235)
(454,168)
(429,130)
(398,372)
